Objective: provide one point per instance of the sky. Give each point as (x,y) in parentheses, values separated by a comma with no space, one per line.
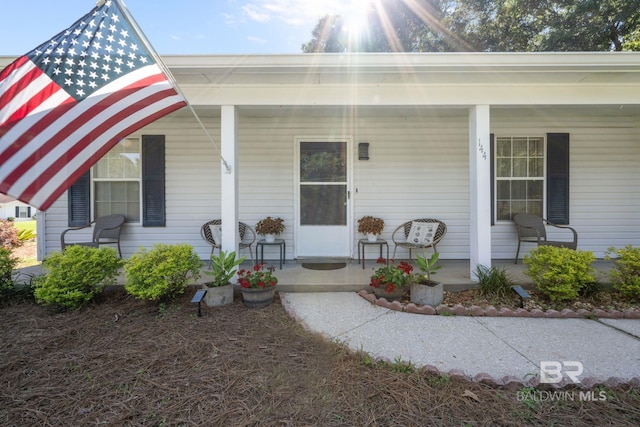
(181,26)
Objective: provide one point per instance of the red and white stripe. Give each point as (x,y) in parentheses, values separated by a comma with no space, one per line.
(48,140)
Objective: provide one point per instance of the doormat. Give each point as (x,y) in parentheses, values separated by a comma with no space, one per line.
(324,265)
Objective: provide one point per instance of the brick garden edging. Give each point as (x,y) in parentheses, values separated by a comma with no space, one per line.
(491,311)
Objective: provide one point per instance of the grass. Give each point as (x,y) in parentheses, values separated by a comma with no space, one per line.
(26,225)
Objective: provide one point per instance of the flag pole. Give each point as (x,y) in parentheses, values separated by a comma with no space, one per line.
(161,64)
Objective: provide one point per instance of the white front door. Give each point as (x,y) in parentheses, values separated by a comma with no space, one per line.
(323,199)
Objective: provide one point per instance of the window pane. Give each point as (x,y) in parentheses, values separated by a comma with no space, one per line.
(504,190)
(323,205)
(536,167)
(518,190)
(117,198)
(520,167)
(503,168)
(534,189)
(535,207)
(122,161)
(536,147)
(518,206)
(503,147)
(520,147)
(504,211)
(323,161)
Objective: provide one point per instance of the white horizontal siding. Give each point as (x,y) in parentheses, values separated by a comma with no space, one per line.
(604,177)
(418,168)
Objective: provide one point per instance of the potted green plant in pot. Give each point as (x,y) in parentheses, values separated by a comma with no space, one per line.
(257,285)
(270,228)
(370,226)
(390,280)
(424,290)
(220,289)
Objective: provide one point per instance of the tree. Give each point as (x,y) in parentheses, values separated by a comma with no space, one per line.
(391,26)
(486,25)
(592,25)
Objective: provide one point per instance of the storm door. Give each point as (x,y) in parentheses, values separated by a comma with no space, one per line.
(323,199)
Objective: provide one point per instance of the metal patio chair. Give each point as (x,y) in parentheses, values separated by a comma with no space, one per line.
(106,231)
(401,235)
(531,229)
(247,237)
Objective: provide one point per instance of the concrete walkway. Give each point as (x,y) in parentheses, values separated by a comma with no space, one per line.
(494,349)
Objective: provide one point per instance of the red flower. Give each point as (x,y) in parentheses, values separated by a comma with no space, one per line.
(389,287)
(407,268)
(381,260)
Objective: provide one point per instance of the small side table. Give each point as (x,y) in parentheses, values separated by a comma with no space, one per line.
(364,242)
(279,242)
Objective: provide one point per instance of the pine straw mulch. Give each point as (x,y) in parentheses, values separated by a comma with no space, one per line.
(125,362)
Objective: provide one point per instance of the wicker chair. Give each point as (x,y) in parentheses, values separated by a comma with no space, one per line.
(106,231)
(531,229)
(400,236)
(247,237)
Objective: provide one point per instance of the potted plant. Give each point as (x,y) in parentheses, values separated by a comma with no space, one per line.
(424,290)
(371,226)
(391,280)
(257,285)
(270,228)
(220,289)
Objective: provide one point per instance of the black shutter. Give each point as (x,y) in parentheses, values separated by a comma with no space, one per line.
(79,200)
(28,211)
(558,178)
(17,215)
(153,181)
(492,186)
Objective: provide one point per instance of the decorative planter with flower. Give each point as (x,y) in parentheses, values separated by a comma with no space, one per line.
(270,228)
(371,226)
(390,281)
(257,285)
(220,290)
(424,290)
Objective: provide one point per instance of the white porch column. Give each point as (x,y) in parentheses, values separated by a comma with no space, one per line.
(480,188)
(229,180)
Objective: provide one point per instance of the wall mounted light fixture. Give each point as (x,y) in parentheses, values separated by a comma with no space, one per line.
(363,151)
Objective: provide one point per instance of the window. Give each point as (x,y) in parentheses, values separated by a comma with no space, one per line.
(519,176)
(116,178)
(117,181)
(23,212)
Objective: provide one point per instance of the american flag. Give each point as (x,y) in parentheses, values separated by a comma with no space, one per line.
(70,100)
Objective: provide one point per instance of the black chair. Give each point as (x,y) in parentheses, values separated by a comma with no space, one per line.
(531,229)
(106,231)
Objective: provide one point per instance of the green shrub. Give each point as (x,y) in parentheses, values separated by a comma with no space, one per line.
(161,273)
(494,281)
(625,276)
(26,234)
(76,275)
(560,273)
(7,264)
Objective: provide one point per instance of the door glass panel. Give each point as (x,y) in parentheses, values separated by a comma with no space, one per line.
(323,205)
(323,162)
